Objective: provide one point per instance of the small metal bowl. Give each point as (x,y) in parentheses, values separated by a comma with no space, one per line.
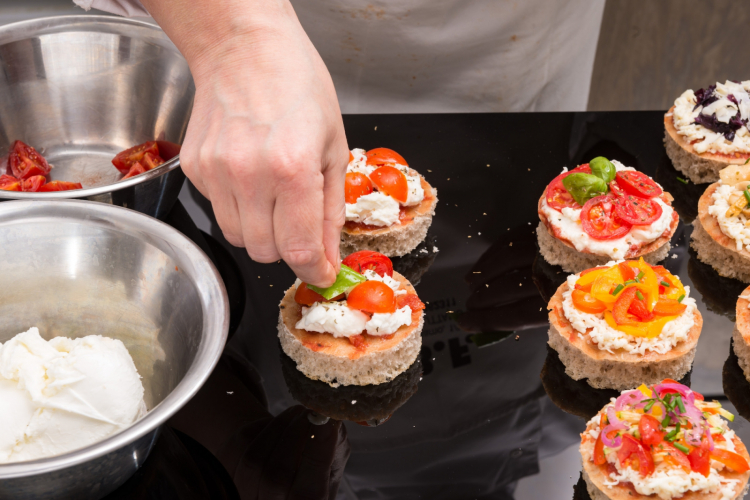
(75,268)
(80,89)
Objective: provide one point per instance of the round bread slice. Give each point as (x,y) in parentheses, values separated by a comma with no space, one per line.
(396,240)
(698,167)
(714,247)
(620,370)
(596,476)
(335,361)
(559,251)
(741,334)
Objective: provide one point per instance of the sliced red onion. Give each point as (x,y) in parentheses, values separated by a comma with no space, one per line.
(659,405)
(610,443)
(710,439)
(632,398)
(683,390)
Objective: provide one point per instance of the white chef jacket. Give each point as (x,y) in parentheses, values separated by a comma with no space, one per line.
(424,56)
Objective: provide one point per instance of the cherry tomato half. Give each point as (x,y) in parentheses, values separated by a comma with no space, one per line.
(125,159)
(307,297)
(33,183)
(25,161)
(372,296)
(60,186)
(150,161)
(699,458)
(557,196)
(9,183)
(357,184)
(650,430)
(673,456)
(637,183)
(637,211)
(384,156)
(392,182)
(631,446)
(367,259)
(136,169)
(599,221)
(616,190)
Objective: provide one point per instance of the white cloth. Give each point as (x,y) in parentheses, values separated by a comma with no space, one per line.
(426,56)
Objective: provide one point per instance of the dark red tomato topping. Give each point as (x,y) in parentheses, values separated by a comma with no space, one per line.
(25,161)
(637,184)
(557,196)
(367,259)
(637,211)
(599,221)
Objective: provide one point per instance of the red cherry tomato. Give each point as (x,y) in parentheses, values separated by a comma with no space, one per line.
(384,156)
(557,196)
(367,259)
(637,184)
(637,211)
(126,159)
(307,297)
(60,186)
(136,169)
(33,183)
(599,221)
(357,184)
(150,161)
(392,182)
(25,161)
(631,446)
(616,190)
(373,297)
(410,300)
(9,183)
(674,456)
(650,429)
(700,460)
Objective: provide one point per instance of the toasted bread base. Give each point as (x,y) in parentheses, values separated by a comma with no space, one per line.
(620,370)
(741,334)
(596,475)
(335,361)
(396,240)
(716,248)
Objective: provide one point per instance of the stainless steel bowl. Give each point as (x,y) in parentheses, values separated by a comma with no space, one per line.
(80,89)
(76,268)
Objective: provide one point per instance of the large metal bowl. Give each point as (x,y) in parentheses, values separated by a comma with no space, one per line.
(80,89)
(76,268)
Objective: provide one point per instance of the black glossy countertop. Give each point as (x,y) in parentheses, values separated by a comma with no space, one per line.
(474,420)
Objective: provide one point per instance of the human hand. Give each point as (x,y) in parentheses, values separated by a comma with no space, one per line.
(266,141)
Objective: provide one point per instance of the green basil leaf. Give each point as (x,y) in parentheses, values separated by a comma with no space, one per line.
(583,187)
(346,279)
(603,168)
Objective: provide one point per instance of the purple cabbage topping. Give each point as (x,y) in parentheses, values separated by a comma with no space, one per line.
(732,99)
(704,97)
(727,129)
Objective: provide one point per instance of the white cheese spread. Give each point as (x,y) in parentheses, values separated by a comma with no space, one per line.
(736,227)
(703,139)
(334,318)
(388,323)
(394,284)
(567,225)
(608,339)
(374,209)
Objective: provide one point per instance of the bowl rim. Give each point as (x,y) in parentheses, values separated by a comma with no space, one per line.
(20,30)
(213,297)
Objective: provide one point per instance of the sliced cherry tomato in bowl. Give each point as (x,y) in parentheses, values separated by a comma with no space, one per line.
(637,211)
(637,184)
(33,183)
(392,182)
(373,297)
(357,184)
(26,162)
(308,297)
(9,183)
(126,159)
(136,169)
(599,221)
(384,156)
(60,186)
(367,259)
(557,196)
(585,302)
(151,161)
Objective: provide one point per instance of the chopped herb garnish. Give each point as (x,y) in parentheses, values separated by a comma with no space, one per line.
(665,283)
(639,295)
(648,406)
(747,195)
(681,298)
(617,289)
(682,180)
(640,275)
(680,404)
(673,433)
(682,448)
(667,420)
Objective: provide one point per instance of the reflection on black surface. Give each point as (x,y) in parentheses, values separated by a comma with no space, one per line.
(580,492)
(577,397)
(369,405)
(547,277)
(736,386)
(718,293)
(178,468)
(503,296)
(413,265)
(685,196)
